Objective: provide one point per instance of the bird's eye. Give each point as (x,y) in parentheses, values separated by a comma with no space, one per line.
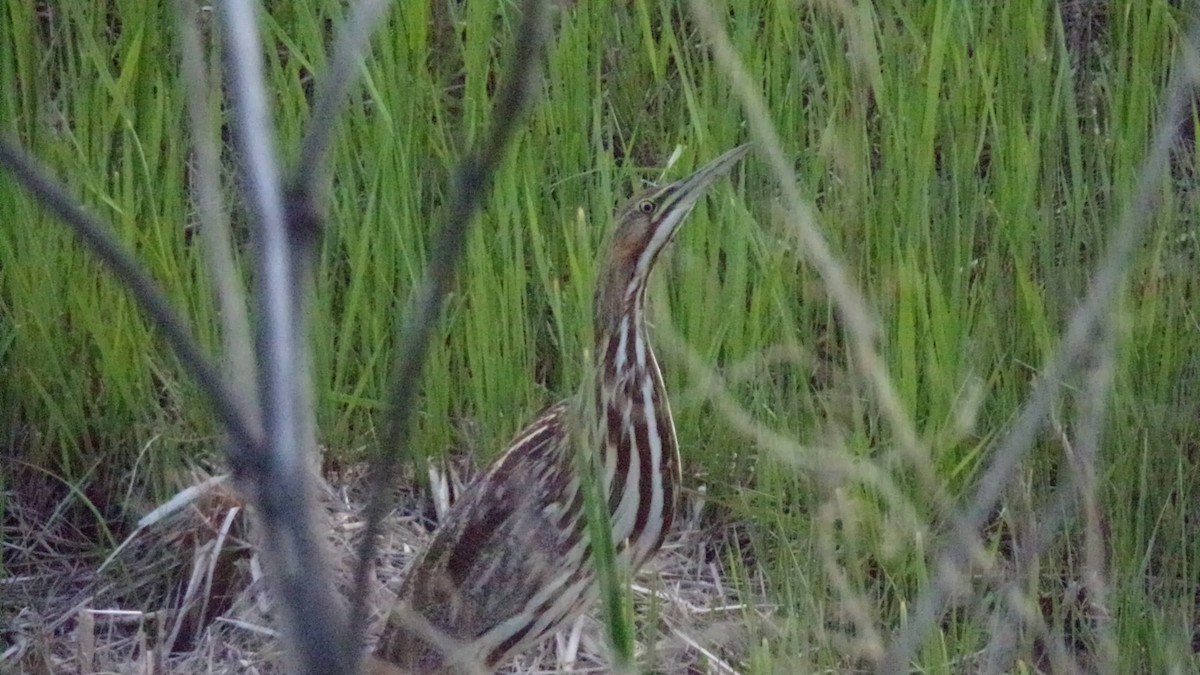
(646,206)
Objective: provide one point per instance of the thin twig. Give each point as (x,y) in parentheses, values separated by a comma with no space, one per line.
(314,620)
(471,185)
(348,52)
(1016,607)
(96,236)
(275,339)
(1091,406)
(305,198)
(1079,337)
(862,327)
(214,223)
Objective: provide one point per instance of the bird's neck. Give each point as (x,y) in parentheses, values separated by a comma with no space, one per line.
(638,452)
(623,350)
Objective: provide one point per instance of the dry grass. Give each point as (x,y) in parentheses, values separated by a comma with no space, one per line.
(184,593)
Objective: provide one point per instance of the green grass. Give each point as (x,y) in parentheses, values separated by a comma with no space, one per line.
(966,164)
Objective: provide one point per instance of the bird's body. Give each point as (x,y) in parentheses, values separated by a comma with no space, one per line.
(512,562)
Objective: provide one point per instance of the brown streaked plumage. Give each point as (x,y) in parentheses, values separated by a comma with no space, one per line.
(512,562)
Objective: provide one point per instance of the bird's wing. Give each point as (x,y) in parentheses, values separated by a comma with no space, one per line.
(507,546)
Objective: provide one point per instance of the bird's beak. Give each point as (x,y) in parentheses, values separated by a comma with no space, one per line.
(684,193)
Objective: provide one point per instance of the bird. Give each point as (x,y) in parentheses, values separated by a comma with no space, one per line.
(512,562)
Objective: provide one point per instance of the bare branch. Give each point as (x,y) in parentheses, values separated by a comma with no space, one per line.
(214,224)
(470,188)
(95,235)
(348,52)
(315,623)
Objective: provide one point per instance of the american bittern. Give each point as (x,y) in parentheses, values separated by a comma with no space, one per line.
(513,561)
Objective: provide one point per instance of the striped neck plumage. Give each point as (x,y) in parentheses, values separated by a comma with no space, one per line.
(639,453)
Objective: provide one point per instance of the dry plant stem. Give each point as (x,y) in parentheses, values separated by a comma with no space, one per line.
(304,200)
(314,621)
(466,197)
(348,52)
(420,626)
(1090,418)
(866,640)
(259,172)
(95,235)
(1017,609)
(861,325)
(1079,338)
(214,223)
(828,465)
(963,547)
